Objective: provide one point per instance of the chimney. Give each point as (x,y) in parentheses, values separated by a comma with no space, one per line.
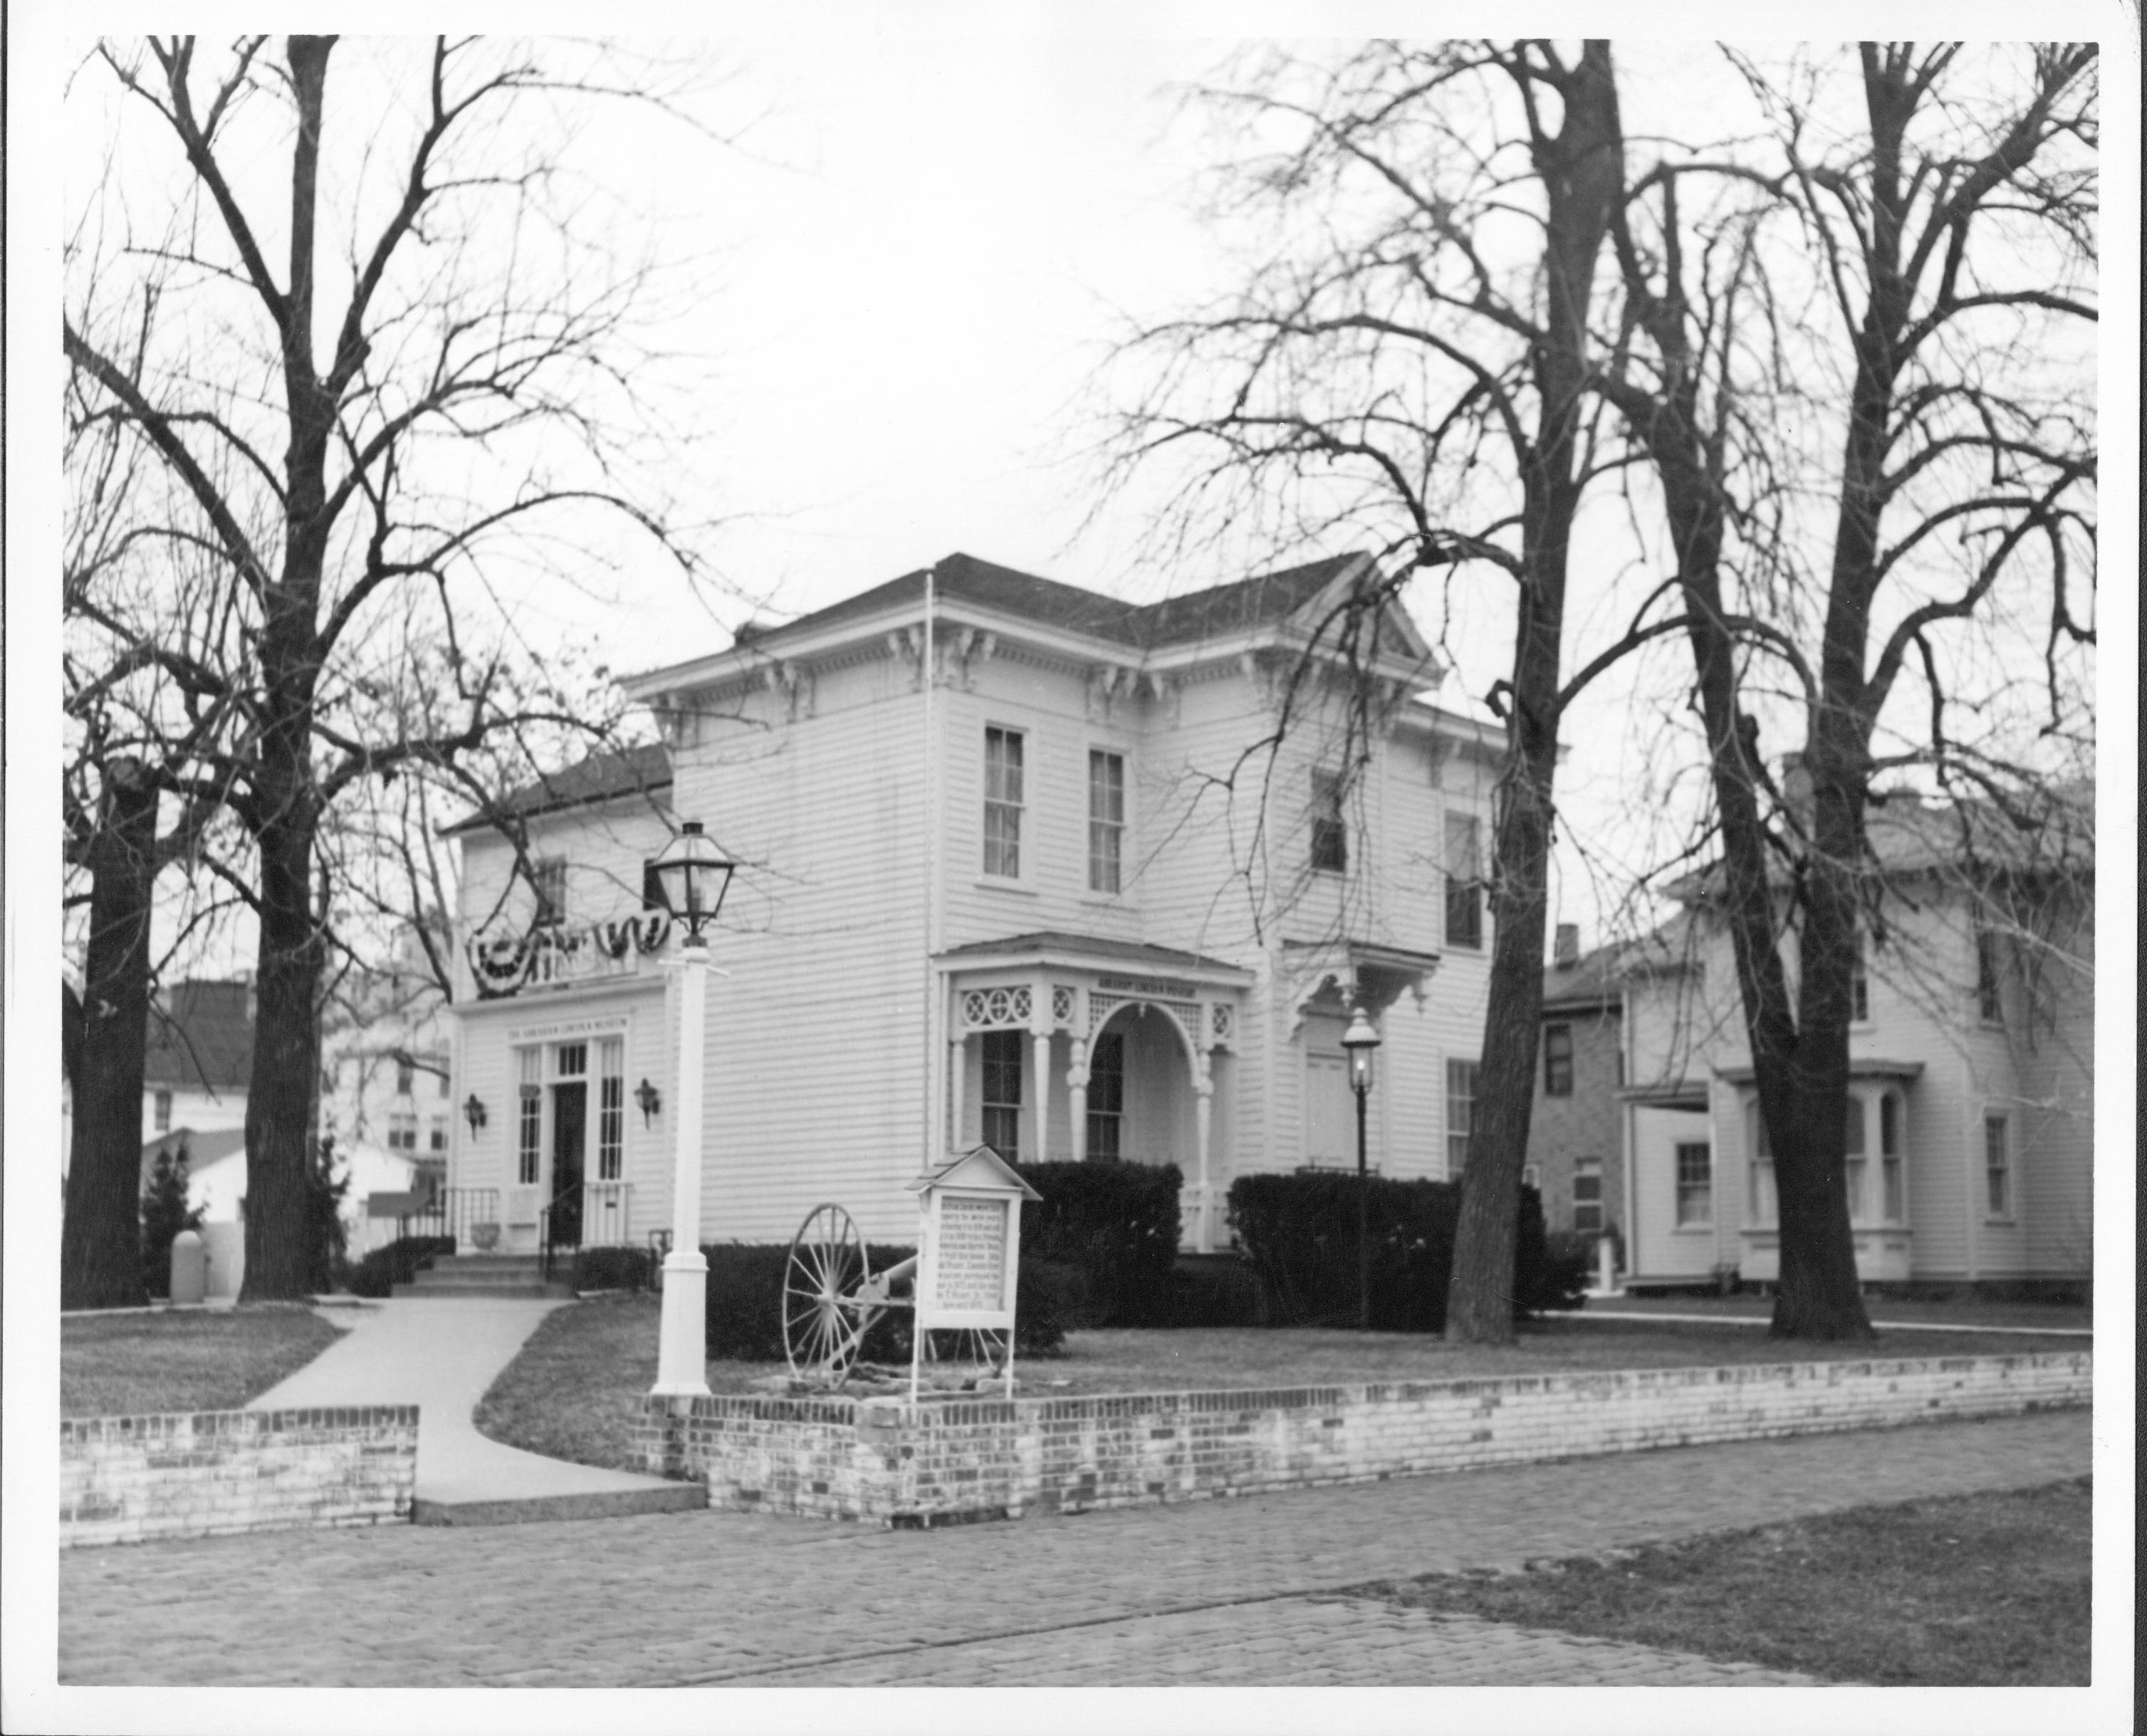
(1565,948)
(1797,790)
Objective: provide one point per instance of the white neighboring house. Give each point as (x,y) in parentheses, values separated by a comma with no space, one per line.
(388,1101)
(1970,1141)
(1017,871)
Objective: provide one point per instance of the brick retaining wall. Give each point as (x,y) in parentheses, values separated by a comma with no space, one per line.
(890,1463)
(126,1479)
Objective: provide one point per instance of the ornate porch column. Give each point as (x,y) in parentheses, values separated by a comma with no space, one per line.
(1203,1114)
(1042,1038)
(1076,1086)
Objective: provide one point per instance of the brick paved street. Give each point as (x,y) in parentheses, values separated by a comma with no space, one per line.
(1215,1592)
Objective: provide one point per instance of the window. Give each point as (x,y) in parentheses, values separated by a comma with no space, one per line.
(652,888)
(1107,819)
(1558,1060)
(1587,1196)
(1464,895)
(401,1132)
(611,1108)
(1003,803)
(549,879)
(1695,1185)
(1989,1004)
(436,1134)
(163,1112)
(1331,841)
(441,1074)
(1853,1155)
(1002,1094)
(1860,987)
(405,1078)
(1997,1167)
(1107,1096)
(529,1118)
(1759,1205)
(572,1060)
(1892,1198)
(1461,1113)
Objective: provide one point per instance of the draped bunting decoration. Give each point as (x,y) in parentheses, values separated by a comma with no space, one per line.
(504,962)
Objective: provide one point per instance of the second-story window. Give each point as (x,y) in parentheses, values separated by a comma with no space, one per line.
(1331,841)
(1002,803)
(1107,819)
(1859,986)
(1558,1060)
(163,1112)
(548,876)
(1989,1004)
(401,1132)
(405,1078)
(1465,882)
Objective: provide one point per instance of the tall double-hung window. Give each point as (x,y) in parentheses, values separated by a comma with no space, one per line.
(611,1108)
(1107,1097)
(1465,882)
(1003,800)
(1107,819)
(529,1114)
(1330,837)
(1460,1113)
(1001,1053)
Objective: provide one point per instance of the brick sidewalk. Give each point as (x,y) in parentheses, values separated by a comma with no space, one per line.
(1211,1591)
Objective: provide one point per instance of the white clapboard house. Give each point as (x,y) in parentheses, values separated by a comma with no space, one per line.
(1023,865)
(1971,1132)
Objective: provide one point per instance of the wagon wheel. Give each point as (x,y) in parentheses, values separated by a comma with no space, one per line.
(984,1354)
(824,1318)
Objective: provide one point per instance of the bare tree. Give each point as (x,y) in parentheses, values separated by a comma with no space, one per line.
(392,462)
(1949,206)
(1411,369)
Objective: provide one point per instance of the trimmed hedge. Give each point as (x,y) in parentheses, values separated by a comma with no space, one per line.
(1299,1233)
(745,1306)
(396,1263)
(1105,1238)
(614,1268)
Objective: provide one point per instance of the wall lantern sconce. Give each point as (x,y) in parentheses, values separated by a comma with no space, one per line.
(650,1099)
(474,1113)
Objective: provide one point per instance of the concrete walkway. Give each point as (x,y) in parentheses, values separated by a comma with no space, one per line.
(441,1356)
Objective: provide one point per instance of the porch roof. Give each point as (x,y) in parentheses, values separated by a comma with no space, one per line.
(1054,947)
(1860,1067)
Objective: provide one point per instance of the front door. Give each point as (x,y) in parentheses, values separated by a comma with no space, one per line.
(570,1107)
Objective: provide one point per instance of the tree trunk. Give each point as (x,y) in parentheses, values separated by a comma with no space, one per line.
(1583,172)
(100,1233)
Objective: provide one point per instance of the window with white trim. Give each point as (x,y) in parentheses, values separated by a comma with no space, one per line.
(1997,1167)
(1107,819)
(1003,800)
(549,878)
(1695,1185)
(1558,1060)
(405,1078)
(1860,985)
(1761,1209)
(1587,1196)
(163,1112)
(529,1114)
(1460,1113)
(1330,838)
(1107,1097)
(1000,1051)
(611,1108)
(436,1134)
(402,1131)
(1989,997)
(1893,1194)
(1852,1156)
(1464,888)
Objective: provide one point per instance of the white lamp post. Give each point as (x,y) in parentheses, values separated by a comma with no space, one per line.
(694,875)
(1360,1039)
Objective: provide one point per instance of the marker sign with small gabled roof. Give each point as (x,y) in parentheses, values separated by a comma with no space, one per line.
(969,1246)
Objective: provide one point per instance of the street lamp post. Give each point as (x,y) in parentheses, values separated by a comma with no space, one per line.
(1359,1040)
(694,875)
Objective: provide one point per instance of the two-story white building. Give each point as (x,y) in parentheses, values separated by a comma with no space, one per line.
(1969,1140)
(1022,863)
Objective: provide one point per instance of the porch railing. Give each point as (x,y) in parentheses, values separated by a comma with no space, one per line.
(452,1212)
(606,1211)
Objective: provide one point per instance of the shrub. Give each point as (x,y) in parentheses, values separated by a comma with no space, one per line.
(1105,1236)
(1300,1234)
(745,1306)
(396,1263)
(326,1238)
(614,1268)
(164,1214)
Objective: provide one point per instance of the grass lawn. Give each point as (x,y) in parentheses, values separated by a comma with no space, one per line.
(573,1391)
(1971,1591)
(133,1365)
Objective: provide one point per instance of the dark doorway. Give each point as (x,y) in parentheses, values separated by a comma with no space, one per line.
(570,1110)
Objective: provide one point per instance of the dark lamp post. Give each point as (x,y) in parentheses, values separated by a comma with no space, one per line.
(1360,1041)
(694,875)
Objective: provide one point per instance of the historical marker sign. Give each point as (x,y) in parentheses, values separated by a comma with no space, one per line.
(971,1242)
(972,1253)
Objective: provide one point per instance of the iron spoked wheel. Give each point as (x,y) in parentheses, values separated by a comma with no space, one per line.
(823,1318)
(979,1356)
